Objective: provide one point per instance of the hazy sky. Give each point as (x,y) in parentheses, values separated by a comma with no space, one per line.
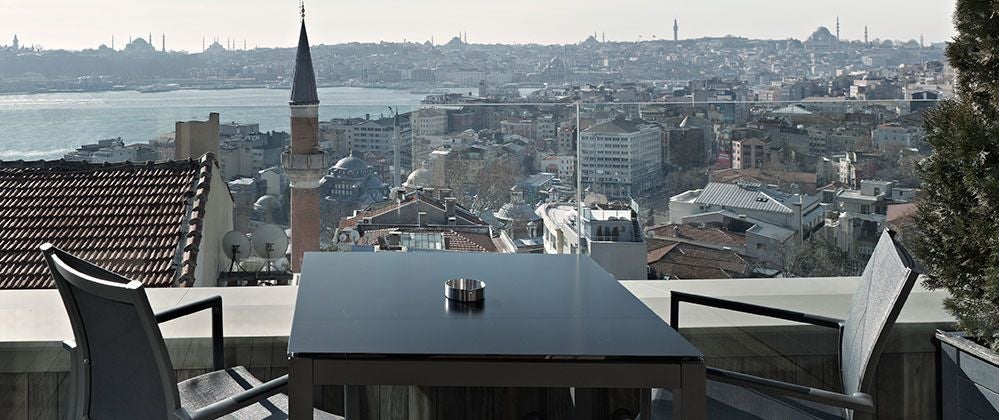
(78,24)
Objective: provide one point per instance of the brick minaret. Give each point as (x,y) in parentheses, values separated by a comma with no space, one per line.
(304,163)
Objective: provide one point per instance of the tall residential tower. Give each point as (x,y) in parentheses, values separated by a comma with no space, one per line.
(304,163)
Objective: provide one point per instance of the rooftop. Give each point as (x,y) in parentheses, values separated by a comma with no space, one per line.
(143,221)
(748,196)
(618,126)
(679,260)
(711,235)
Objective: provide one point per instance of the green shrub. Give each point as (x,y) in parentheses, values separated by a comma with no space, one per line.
(958,216)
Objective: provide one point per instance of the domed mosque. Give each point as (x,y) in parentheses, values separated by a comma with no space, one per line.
(351,181)
(822,39)
(518,216)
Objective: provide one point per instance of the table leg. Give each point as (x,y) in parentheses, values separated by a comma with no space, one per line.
(352,402)
(582,403)
(300,387)
(690,400)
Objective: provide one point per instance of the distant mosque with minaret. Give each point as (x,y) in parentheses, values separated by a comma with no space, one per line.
(14,46)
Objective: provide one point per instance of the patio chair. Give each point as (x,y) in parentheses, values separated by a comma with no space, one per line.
(119,365)
(883,289)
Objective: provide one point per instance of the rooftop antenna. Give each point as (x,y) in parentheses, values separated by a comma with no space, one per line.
(271,244)
(236,246)
(301,8)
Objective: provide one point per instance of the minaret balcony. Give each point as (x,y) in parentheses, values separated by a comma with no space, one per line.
(305,170)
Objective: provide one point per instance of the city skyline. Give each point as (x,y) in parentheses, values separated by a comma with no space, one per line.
(186,23)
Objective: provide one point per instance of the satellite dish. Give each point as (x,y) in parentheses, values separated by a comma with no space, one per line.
(348,236)
(236,245)
(270,242)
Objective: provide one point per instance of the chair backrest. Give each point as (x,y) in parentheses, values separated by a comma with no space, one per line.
(121,366)
(883,289)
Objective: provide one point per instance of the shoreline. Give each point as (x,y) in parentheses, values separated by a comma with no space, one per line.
(194,88)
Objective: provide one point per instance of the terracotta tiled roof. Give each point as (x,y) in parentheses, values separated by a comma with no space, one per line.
(687,261)
(732,175)
(707,235)
(142,221)
(468,242)
(898,212)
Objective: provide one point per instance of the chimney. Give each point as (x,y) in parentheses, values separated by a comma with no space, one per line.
(421,219)
(450,204)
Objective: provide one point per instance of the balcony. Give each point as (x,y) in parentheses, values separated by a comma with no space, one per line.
(34,367)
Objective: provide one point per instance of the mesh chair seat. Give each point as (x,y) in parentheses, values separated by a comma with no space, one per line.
(203,390)
(733,402)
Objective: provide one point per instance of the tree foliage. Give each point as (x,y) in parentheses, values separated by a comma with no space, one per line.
(818,258)
(959,214)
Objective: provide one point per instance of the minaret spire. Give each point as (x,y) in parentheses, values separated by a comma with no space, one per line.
(837,28)
(303,87)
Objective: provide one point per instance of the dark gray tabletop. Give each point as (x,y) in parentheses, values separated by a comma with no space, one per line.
(393,304)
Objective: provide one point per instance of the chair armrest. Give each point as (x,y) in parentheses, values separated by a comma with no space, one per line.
(240,400)
(677,297)
(76,391)
(858,402)
(215,304)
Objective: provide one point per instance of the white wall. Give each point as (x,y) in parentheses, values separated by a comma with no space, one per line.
(624,260)
(218,222)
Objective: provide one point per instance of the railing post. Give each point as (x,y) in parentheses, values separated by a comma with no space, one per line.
(674,312)
(218,355)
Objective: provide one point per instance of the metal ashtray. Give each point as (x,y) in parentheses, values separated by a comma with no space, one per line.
(465,290)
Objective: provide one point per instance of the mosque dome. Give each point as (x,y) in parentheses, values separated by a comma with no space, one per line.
(267,203)
(351,166)
(418,178)
(517,213)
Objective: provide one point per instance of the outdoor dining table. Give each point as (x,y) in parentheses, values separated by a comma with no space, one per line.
(545,321)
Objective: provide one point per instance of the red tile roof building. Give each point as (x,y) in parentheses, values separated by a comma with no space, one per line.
(679,260)
(158,223)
